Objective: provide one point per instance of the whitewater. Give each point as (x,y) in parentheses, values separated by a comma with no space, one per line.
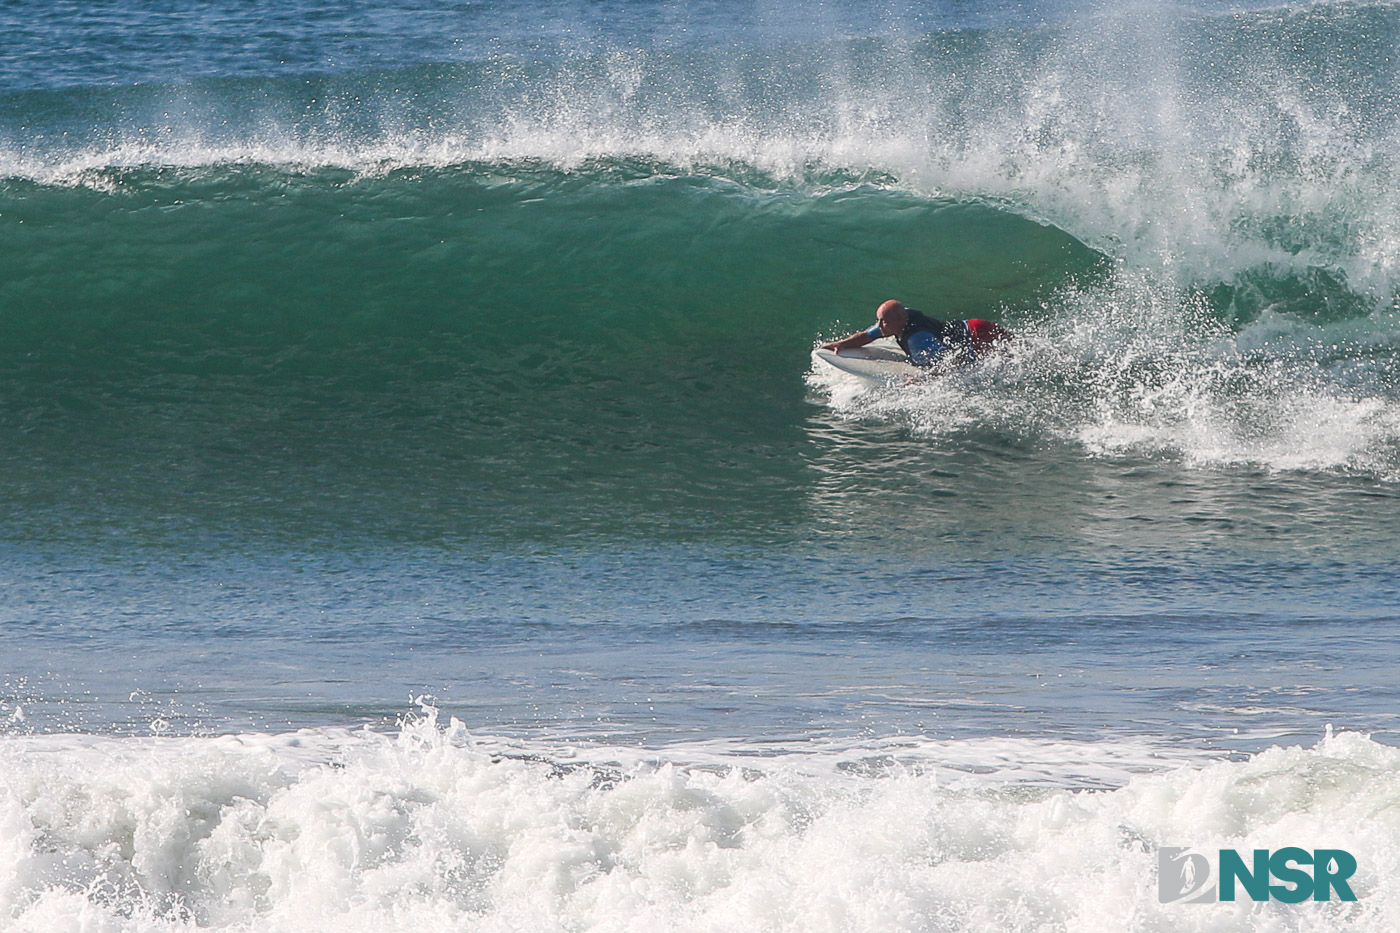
(432,828)
(418,511)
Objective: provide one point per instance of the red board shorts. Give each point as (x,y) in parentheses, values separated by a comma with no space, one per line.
(986,335)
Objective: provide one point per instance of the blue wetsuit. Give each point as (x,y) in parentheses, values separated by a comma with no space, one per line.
(928,340)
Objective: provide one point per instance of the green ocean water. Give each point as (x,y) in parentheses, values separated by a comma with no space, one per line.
(478,350)
(516,352)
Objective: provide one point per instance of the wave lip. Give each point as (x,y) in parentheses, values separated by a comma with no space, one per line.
(1193,145)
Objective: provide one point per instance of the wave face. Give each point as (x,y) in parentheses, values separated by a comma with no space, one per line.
(426,334)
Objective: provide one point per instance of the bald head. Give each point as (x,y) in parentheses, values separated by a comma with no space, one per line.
(892,317)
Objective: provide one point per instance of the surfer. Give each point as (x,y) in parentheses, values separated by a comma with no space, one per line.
(928,341)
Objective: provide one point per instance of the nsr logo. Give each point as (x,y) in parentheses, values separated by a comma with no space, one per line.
(1183,876)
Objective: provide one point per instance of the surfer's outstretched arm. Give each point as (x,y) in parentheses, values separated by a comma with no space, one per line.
(858,339)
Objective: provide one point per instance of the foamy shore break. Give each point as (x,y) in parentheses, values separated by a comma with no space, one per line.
(434,828)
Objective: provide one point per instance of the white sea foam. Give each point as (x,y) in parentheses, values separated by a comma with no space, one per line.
(1129,368)
(437,829)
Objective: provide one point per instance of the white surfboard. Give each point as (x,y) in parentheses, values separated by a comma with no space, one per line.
(872,362)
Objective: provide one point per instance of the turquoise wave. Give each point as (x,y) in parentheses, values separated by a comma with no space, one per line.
(451,351)
(263,270)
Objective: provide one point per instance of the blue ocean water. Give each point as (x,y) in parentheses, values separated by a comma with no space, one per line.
(419,508)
